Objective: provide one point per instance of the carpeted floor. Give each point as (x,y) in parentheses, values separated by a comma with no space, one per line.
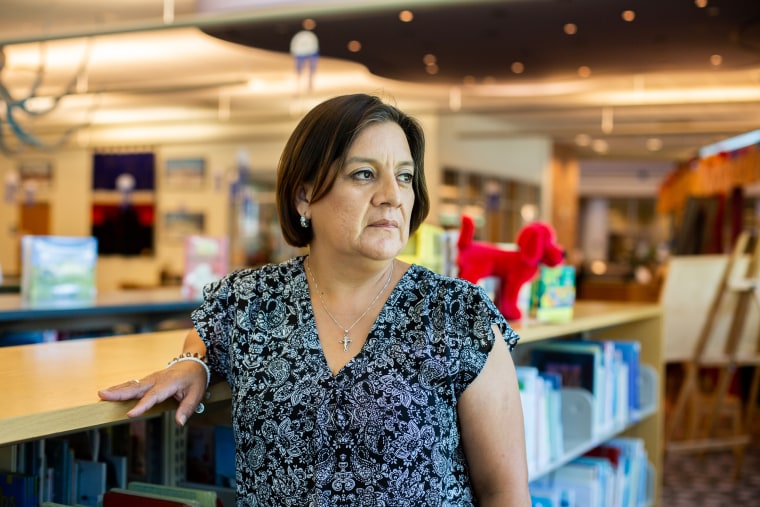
(707,480)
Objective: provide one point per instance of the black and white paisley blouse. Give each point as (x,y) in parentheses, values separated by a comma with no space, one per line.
(384,430)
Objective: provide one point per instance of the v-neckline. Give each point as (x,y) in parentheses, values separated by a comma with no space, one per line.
(370,334)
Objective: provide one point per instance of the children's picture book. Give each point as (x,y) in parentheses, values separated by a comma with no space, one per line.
(58,269)
(207,259)
(555,294)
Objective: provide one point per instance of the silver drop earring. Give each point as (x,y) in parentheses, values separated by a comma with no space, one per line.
(304,222)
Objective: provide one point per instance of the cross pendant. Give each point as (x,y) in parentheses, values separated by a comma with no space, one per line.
(345,341)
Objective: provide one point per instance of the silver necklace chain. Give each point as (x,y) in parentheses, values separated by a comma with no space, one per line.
(346,330)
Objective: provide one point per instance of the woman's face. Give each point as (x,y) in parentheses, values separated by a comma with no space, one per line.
(368,208)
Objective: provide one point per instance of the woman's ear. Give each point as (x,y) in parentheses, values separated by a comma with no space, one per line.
(303,199)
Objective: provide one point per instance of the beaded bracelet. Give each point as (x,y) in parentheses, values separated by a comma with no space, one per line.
(195,357)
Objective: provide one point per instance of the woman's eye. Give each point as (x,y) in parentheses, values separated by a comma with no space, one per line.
(363,174)
(405,177)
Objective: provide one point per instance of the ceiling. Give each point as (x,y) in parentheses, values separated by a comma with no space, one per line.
(650,91)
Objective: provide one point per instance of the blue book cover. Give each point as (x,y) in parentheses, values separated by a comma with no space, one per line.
(18,490)
(630,352)
(90,482)
(224,457)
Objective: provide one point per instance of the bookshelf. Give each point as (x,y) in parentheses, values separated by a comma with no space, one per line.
(53,385)
(622,321)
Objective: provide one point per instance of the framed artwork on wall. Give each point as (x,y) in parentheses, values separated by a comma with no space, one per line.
(185,173)
(180,223)
(36,172)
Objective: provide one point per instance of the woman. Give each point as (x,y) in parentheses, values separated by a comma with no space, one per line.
(356,379)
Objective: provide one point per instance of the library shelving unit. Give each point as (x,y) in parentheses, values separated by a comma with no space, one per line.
(50,388)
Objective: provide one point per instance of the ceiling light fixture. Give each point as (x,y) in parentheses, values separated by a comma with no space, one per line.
(628,15)
(354,46)
(406,16)
(600,146)
(583,140)
(517,67)
(700,3)
(716,60)
(584,71)
(654,144)
(570,28)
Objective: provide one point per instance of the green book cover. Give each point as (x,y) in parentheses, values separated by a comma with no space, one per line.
(204,498)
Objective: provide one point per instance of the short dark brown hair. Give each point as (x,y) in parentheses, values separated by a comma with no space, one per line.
(322,138)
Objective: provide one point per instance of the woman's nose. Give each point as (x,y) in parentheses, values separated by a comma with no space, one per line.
(388,192)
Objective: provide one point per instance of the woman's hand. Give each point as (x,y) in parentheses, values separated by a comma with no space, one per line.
(185,381)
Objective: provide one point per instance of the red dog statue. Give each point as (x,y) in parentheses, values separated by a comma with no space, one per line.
(535,245)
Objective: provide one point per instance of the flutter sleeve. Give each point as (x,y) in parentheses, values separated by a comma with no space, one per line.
(214,320)
(475,333)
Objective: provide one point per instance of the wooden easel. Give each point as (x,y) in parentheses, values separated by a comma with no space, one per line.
(691,400)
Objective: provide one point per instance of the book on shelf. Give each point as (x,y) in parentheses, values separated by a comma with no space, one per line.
(207,259)
(90,482)
(527,380)
(634,460)
(18,489)
(58,269)
(630,353)
(553,394)
(542,413)
(200,454)
(224,457)
(586,481)
(602,367)
(579,364)
(117,497)
(555,293)
(60,457)
(205,498)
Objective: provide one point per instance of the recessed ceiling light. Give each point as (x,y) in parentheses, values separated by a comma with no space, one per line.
(431,69)
(354,46)
(700,3)
(654,144)
(517,67)
(570,28)
(584,71)
(429,59)
(406,16)
(716,60)
(600,146)
(628,15)
(309,24)
(583,140)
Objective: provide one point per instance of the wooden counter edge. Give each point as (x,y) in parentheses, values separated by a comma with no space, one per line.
(73,419)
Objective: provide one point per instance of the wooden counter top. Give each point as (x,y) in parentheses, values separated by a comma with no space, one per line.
(51,388)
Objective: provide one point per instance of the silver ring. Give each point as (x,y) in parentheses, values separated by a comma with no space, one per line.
(200,408)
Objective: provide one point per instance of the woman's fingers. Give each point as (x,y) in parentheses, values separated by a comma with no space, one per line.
(124,391)
(180,381)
